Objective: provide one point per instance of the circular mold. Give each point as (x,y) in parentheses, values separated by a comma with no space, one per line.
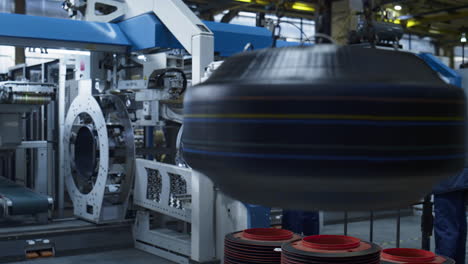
(267,234)
(330,249)
(331,242)
(257,245)
(410,255)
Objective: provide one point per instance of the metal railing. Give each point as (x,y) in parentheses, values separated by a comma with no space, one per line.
(427,220)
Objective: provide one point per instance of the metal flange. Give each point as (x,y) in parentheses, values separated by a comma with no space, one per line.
(99,156)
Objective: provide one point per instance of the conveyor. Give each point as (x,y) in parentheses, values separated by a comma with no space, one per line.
(19,200)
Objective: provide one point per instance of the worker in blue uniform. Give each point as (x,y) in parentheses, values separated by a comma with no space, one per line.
(450,227)
(449,196)
(300,222)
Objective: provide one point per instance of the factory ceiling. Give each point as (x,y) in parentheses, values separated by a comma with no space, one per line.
(303,8)
(444,20)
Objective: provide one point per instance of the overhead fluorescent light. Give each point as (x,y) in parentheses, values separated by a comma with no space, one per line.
(303,6)
(412,23)
(398,7)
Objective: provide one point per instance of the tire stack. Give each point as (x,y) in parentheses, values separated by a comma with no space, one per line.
(330,249)
(412,256)
(256,246)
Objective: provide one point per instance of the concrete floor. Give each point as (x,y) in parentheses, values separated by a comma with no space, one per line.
(132,256)
(384,235)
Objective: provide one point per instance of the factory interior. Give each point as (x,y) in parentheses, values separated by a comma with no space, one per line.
(233,131)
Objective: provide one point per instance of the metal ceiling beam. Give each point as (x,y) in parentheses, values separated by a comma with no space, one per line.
(297,14)
(229,16)
(434,14)
(254,6)
(435,23)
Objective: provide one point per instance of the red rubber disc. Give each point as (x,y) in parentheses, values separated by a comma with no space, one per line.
(267,234)
(331,242)
(409,255)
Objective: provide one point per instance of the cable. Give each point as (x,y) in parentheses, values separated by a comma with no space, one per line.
(300,29)
(275,35)
(325,36)
(307,38)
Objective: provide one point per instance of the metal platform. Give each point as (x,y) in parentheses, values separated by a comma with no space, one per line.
(63,238)
(124,256)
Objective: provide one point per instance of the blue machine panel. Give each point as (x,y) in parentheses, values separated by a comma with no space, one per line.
(438,66)
(139,33)
(147,31)
(231,39)
(459,182)
(35,31)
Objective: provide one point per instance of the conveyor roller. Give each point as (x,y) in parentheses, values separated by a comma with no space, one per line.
(19,200)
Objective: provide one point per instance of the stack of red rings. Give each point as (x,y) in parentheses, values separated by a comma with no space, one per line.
(330,249)
(256,246)
(412,256)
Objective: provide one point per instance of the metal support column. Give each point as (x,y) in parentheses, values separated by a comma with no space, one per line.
(371,231)
(398,228)
(41,169)
(61,123)
(20,8)
(260,20)
(427,223)
(343,19)
(324,20)
(203,225)
(41,165)
(345,231)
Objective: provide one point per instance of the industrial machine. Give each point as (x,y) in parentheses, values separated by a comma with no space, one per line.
(118,121)
(119,128)
(16,100)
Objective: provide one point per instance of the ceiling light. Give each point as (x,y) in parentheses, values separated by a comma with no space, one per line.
(412,23)
(303,6)
(245,1)
(397,7)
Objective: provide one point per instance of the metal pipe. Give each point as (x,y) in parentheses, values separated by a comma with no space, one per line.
(398,228)
(149,140)
(371,231)
(30,99)
(463,53)
(427,222)
(409,41)
(42,123)
(345,223)
(61,124)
